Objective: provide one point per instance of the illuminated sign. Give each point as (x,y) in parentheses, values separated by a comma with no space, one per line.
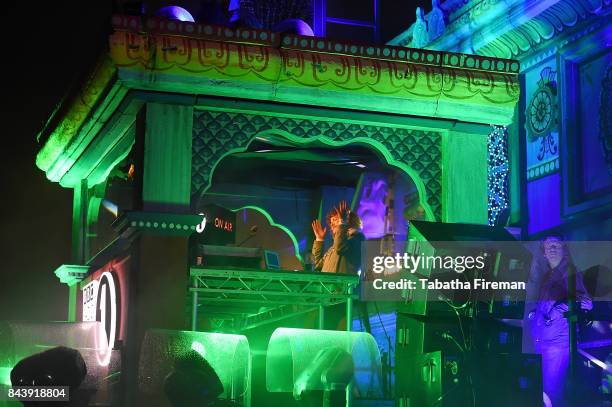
(217,226)
(90,293)
(200,228)
(224,224)
(100,303)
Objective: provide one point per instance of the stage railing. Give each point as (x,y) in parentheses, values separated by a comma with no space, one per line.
(238,299)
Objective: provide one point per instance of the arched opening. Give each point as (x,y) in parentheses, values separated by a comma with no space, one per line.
(295,180)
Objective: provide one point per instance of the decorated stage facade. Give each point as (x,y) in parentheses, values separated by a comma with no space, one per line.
(191,143)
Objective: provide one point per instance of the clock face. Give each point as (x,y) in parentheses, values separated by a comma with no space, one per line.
(540,111)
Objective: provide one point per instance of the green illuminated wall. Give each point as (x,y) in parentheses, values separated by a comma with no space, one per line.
(465,178)
(167,162)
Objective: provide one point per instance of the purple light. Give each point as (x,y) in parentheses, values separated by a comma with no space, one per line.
(544,203)
(294,26)
(372,207)
(175,13)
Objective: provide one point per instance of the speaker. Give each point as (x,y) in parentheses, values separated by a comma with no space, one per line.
(450,379)
(432,302)
(494,336)
(421,335)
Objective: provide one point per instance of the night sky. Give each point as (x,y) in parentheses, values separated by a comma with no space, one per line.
(46,46)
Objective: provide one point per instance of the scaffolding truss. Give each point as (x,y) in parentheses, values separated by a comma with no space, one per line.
(235,300)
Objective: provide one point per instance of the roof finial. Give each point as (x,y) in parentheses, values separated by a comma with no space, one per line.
(436,21)
(420,38)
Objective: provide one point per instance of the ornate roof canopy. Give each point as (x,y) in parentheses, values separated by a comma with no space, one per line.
(157,55)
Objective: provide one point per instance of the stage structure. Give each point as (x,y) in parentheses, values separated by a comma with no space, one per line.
(199,155)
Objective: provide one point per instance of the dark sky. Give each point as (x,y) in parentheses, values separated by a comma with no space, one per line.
(45,47)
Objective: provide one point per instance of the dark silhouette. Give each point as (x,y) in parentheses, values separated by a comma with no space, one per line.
(193,382)
(61,366)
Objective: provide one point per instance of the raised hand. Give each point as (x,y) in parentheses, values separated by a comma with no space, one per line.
(343,211)
(319,230)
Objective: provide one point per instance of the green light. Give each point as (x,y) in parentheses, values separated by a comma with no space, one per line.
(53,157)
(198,347)
(5,376)
(229,355)
(292,359)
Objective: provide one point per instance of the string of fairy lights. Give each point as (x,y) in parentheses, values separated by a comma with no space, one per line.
(498,167)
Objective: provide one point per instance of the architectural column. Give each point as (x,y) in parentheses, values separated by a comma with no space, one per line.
(464,177)
(159,271)
(167,158)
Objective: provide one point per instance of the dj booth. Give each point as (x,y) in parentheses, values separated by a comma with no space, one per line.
(237,288)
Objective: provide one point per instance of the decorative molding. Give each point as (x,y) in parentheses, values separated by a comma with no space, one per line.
(199,59)
(538,32)
(251,36)
(543,169)
(74,113)
(307,70)
(541,115)
(159,223)
(155,25)
(216,134)
(513,28)
(71,274)
(539,57)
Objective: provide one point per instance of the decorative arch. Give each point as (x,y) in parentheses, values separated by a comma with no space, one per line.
(417,153)
(270,219)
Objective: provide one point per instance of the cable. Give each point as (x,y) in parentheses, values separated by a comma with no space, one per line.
(465,343)
(449,337)
(439,399)
(381,323)
(456,310)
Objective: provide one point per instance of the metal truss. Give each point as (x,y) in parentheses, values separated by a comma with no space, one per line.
(237,300)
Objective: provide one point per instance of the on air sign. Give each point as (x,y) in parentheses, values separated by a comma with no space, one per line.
(217,226)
